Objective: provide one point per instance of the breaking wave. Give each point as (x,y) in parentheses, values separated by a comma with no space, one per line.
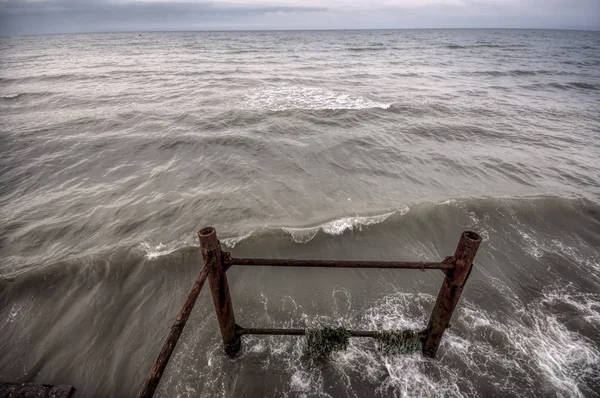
(337,227)
(298,234)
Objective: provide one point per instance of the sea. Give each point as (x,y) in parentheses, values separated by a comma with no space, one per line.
(116,148)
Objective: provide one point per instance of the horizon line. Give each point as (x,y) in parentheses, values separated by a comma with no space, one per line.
(278,30)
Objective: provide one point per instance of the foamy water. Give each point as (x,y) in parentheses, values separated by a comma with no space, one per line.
(284,96)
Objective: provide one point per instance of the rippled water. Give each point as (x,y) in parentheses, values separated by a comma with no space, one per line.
(386,145)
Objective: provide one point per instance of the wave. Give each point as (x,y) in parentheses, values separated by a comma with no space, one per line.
(58,77)
(337,227)
(564,86)
(334,227)
(517,317)
(286,96)
(160,249)
(11,97)
(407,74)
(582,63)
(420,110)
(541,225)
(232,52)
(587,212)
(155,250)
(516,72)
(366,49)
(584,85)
(20,96)
(298,234)
(483,45)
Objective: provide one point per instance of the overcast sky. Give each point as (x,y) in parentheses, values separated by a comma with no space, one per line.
(65,16)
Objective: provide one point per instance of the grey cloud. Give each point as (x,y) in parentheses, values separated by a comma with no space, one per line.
(65,16)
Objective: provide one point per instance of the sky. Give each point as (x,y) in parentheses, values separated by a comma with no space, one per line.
(18,17)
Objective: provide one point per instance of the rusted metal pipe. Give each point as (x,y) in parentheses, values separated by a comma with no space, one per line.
(297,332)
(293,332)
(147,390)
(450,291)
(228,261)
(217,280)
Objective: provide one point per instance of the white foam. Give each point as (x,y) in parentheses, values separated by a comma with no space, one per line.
(530,353)
(14,311)
(562,357)
(513,356)
(572,248)
(336,227)
(587,305)
(231,242)
(286,96)
(300,383)
(157,250)
(154,250)
(532,246)
(299,235)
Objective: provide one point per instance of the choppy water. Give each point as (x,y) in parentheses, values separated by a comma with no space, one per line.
(116,148)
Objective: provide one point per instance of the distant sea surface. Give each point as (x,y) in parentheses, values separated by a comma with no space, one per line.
(117,148)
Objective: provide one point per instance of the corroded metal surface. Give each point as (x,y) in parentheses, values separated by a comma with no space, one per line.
(228,261)
(450,291)
(300,332)
(217,280)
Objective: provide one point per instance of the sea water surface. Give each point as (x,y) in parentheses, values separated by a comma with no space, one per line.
(386,145)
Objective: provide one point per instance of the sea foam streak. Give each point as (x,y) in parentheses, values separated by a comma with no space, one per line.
(285,96)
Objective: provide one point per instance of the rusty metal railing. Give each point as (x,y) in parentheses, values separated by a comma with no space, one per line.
(216,263)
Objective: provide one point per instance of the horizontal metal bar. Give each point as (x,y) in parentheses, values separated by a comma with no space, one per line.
(294,332)
(297,332)
(338,263)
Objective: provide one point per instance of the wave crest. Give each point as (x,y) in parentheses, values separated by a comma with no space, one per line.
(335,227)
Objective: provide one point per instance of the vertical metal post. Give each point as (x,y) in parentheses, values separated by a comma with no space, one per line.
(217,280)
(450,291)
